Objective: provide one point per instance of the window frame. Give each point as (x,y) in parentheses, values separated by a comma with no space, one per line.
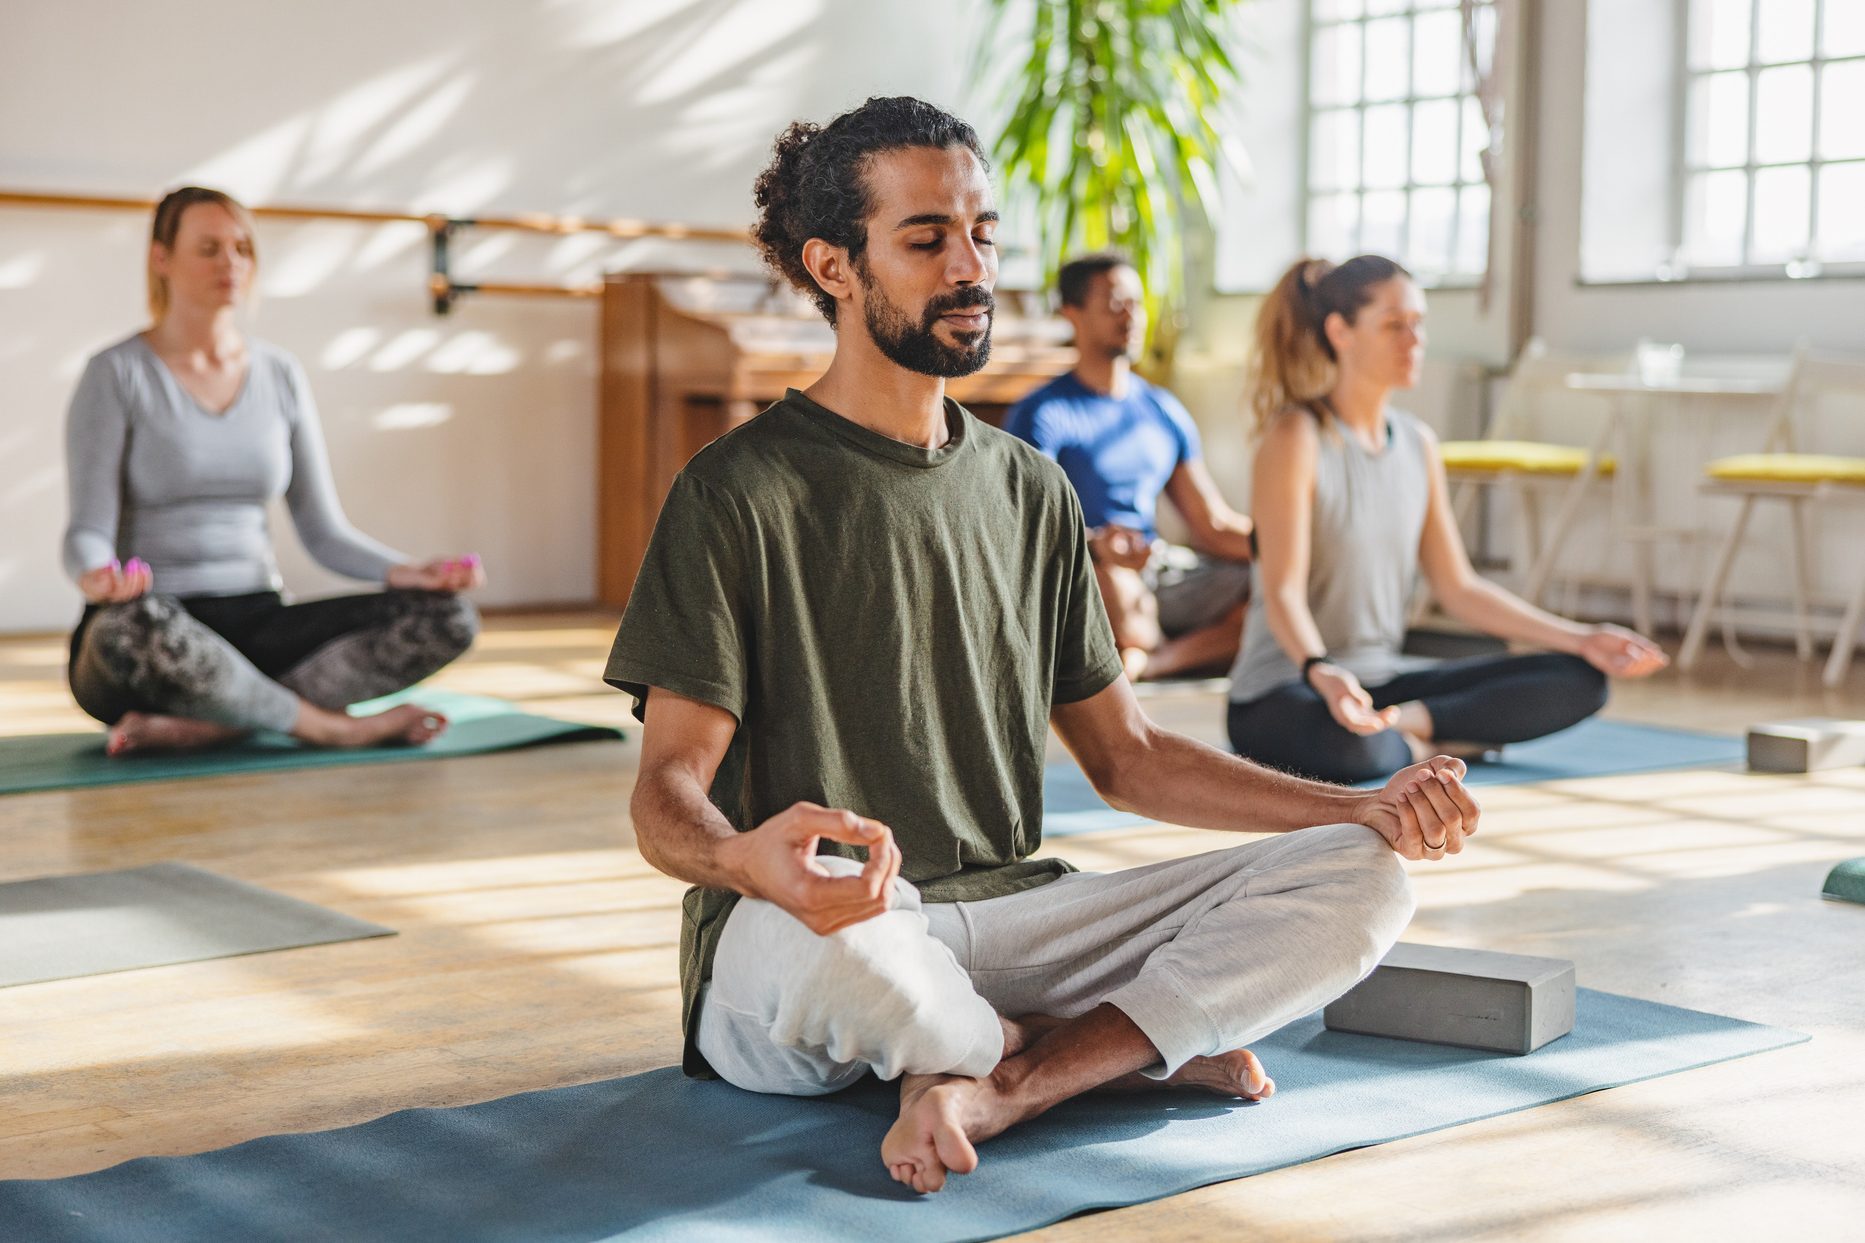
(1810,267)
(1464,97)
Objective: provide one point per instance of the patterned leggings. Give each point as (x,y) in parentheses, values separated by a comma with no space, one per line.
(246,661)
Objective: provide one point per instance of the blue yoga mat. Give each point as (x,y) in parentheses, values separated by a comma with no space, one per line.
(1592,748)
(477,725)
(660,1157)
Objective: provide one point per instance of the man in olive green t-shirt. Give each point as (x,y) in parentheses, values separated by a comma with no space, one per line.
(858,618)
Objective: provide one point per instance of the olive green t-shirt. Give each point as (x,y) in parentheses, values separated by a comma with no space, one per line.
(890,626)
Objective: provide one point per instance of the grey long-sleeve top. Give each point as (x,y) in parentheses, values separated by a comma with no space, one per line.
(153,474)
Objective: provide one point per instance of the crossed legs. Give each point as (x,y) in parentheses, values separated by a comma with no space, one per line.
(169,673)
(991,1012)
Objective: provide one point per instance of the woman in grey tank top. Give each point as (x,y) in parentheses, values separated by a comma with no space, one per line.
(1350,503)
(177,440)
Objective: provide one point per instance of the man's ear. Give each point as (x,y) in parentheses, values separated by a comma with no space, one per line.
(830,267)
(1073,315)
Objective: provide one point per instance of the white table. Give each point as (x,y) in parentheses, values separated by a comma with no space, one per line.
(1625,431)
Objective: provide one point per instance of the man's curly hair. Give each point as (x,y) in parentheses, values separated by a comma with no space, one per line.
(816,183)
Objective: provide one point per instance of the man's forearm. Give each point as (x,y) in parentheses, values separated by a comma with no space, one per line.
(679,831)
(1230,543)
(1182,781)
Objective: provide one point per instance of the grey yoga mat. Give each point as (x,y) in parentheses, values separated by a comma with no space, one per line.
(659,1157)
(478,725)
(59,927)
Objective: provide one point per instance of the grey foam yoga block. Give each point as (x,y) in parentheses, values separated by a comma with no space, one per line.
(1806,745)
(1479,999)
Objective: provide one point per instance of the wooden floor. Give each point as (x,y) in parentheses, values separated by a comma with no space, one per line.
(537,949)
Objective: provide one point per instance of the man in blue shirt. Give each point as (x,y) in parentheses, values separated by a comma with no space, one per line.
(1122,442)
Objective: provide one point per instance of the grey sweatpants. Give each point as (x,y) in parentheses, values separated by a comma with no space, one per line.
(1204,954)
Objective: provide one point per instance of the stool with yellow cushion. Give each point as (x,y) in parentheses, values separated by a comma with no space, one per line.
(1796,480)
(1522,467)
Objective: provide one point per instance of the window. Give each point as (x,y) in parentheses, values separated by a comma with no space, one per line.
(1396,135)
(1773,170)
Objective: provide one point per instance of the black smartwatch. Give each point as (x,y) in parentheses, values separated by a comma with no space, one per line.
(1310,663)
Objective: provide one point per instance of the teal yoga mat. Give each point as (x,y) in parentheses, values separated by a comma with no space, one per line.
(478,725)
(1593,748)
(1846,882)
(658,1157)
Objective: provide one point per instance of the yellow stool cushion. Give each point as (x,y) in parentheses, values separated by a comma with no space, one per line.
(1788,468)
(1522,457)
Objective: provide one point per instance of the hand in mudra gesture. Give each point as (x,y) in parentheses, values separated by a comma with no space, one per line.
(441,574)
(778,862)
(118,582)
(1424,811)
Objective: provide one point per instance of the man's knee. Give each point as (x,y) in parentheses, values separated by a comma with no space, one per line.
(880,990)
(1363,863)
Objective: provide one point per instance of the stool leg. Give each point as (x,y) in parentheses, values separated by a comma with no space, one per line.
(1713,589)
(1528,507)
(1845,640)
(1803,626)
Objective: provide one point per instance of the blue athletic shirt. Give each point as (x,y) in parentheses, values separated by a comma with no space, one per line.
(1117,451)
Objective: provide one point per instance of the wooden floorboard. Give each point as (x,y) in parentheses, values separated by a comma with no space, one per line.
(536,949)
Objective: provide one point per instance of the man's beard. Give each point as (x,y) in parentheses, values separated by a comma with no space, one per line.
(913,345)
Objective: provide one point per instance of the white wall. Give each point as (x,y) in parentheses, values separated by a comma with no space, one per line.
(472,432)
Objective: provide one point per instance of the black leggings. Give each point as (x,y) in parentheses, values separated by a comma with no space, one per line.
(1488,699)
(247,660)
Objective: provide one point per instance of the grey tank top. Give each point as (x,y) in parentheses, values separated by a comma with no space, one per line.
(1369,515)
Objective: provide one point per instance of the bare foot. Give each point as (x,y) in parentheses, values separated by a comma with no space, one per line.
(931,1138)
(1237,1073)
(407,724)
(148,731)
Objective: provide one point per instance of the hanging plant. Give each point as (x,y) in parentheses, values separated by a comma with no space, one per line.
(1111,128)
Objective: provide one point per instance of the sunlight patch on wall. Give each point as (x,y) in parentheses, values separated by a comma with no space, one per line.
(413,414)
(390,241)
(416,125)
(734,42)
(347,348)
(345,124)
(311,254)
(21,270)
(576,251)
(464,190)
(561,352)
(595,23)
(257,167)
(404,349)
(474,353)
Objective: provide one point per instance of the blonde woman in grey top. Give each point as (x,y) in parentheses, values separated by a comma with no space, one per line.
(178,438)
(1350,504)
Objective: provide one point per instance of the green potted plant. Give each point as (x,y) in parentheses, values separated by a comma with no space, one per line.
(1111,127)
